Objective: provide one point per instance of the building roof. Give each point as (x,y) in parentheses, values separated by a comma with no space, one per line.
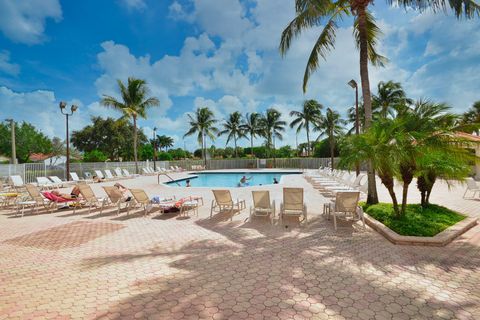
(468,136)
(35,157)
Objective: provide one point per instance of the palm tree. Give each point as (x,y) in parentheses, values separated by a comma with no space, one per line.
(251,125)
(377,144)
(134,104)
(272,127)
(332,127)
(327,14)
(233,128)
(311,114)
(472,116)
(202,122)
(390,98)
(164,141)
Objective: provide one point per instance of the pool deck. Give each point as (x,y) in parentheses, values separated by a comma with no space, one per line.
(104,266)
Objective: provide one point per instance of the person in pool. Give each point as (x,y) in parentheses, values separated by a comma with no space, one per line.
(244,180)
(187,183)
(275,181)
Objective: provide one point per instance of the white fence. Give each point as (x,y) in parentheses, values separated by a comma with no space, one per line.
(30,171)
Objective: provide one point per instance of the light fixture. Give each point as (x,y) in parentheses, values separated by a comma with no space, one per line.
(62,105)
(352,83)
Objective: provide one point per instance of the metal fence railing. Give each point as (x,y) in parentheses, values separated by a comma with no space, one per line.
(30,171)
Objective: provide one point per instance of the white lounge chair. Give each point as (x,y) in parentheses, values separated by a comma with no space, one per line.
(345,202)
(16,182)
(58,181)
(472,186)
(99,174)
(262,206)
(109,175)
(293,204)
(126,173)
(118,172)
(223,200)
(45,183)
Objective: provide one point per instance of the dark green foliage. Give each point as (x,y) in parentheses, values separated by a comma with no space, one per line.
(94,156)
(112,137)
(417,221)
(28,140)
(164,156)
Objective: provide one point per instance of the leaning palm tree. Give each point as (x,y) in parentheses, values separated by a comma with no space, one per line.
(310,116)
(134,104)
(328,13)
(232,127)
(272,127)
(389,98)
(251,126)
(332,127)
(202,122)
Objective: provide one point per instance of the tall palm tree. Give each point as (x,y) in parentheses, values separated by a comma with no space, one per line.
(272,127)
(164,141)
(233,128)
(202,122)
(327,14)
(389,98)
(332,127)
(310,115)
(134,104)
(251,126)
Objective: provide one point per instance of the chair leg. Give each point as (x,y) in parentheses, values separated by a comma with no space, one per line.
(335,220)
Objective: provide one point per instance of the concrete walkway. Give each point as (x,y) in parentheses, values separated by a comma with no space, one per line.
(104,266)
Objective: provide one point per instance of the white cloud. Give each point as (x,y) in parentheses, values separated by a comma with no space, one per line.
(24,21)
(39,108)
(6,66)
(134,4)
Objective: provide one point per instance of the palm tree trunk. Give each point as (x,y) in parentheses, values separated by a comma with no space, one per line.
(332,148)
(372,197)
(308,138)
(235,144)
(251,145)
(204,146)
(389,184)
(135,157)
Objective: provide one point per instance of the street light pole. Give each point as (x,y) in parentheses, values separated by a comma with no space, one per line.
(352,83)
(67,114)
(155,148)
(14,150)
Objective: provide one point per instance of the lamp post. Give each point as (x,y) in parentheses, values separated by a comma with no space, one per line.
(63,110)
(155,148)
(352,83)
(14,150)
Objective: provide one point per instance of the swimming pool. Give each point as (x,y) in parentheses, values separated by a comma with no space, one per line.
(229,179)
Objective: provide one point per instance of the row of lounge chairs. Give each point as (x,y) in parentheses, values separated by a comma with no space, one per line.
(293,204)
(37,199)
(343,189)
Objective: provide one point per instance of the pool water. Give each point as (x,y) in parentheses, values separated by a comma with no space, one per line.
(230,179)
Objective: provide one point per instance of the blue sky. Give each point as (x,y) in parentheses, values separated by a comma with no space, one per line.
(217,53)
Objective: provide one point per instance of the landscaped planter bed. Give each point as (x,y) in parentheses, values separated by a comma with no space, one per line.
(434,226)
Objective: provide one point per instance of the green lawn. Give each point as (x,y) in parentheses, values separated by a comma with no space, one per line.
(418,221)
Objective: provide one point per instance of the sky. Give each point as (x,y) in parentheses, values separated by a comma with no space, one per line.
(221,54)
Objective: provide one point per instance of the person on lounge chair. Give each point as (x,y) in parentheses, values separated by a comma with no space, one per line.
(97,179)
(74,194)
(123,190)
